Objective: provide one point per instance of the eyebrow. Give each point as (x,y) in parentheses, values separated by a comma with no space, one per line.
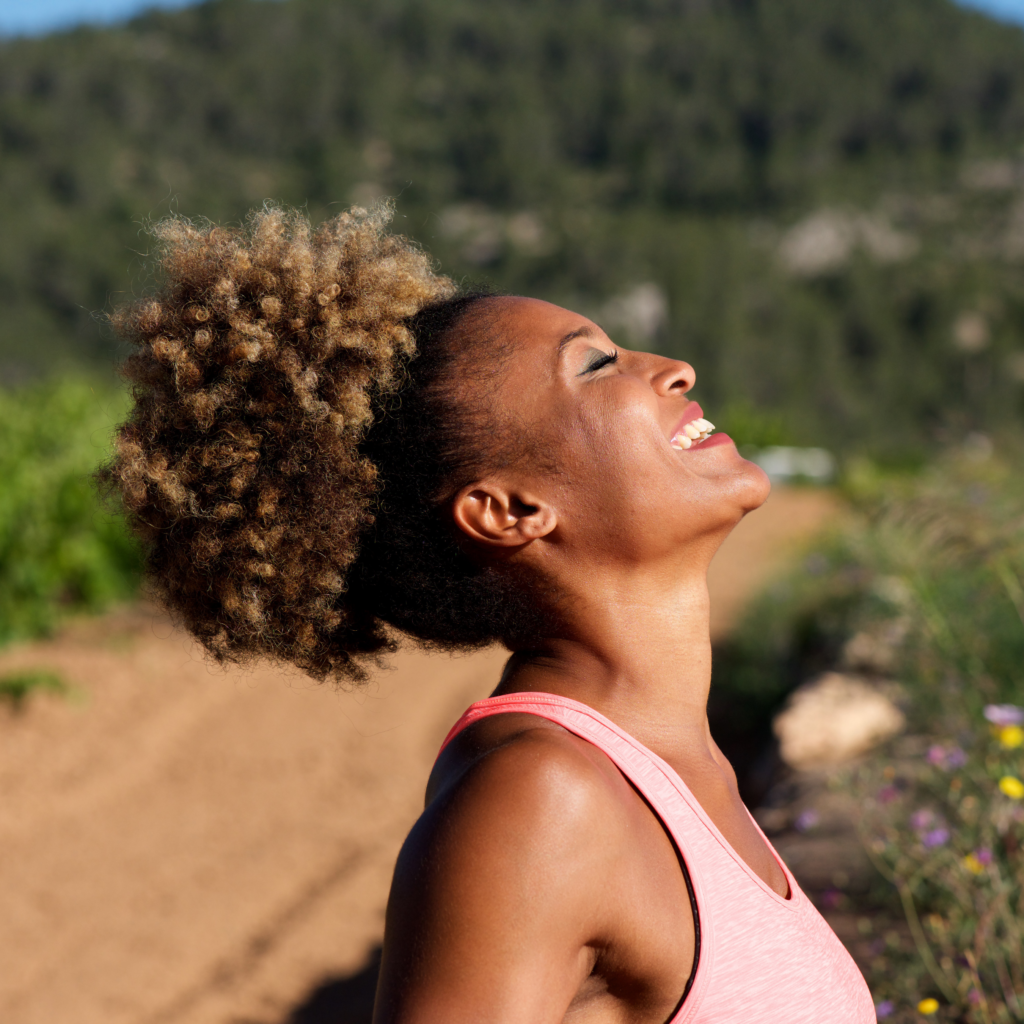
(580,332)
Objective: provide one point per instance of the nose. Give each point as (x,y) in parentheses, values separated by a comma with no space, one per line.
(672,376)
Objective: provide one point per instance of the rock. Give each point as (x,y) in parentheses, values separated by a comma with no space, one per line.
(833,719)
(824,242)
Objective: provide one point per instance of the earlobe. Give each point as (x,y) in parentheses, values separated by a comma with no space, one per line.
(491,515)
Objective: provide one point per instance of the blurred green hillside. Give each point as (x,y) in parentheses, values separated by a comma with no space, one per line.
(818,203)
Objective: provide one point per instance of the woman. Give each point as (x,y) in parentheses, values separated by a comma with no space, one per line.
(330,447)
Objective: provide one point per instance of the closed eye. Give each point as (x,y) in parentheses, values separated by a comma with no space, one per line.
(598,360)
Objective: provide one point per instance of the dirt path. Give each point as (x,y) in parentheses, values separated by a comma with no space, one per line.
(185,845)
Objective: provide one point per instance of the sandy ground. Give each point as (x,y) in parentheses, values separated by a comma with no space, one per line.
(185,845)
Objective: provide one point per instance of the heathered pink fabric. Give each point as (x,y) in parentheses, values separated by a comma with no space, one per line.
(763,959)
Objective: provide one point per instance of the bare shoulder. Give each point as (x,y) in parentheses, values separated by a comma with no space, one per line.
(501,888)
(518,785)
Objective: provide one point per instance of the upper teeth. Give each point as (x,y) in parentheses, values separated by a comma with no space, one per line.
(693,433)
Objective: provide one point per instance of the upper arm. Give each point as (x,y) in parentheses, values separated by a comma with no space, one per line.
(500,891)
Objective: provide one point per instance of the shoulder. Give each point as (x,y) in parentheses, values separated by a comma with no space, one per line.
(501,889)
(521,780)
(533,863)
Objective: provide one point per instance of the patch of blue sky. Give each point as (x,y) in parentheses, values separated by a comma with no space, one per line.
(37,17)
(1004,10)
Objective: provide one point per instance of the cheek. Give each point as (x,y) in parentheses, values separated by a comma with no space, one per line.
(643,499)
(618,483)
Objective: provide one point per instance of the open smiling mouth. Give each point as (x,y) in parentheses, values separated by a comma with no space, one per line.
(692,433)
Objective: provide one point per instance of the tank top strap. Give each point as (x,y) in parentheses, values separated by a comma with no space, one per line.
(681,813)
(643,767)
(655,779)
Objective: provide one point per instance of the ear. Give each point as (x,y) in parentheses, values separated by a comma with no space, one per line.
(491,514)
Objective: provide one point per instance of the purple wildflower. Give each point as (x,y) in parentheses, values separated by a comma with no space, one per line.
(984,855)
(974,997)
(955,758)
(936,837)
(884,1009)
(1004,714)
(806,820)
(950,758)
(887,794)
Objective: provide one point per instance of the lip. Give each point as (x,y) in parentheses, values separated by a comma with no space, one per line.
(693,412)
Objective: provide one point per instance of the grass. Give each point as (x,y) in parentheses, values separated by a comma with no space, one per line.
(17,687)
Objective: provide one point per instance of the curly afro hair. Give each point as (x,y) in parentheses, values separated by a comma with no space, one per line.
(296,433)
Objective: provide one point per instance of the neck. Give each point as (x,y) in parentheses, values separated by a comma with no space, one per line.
(635,647)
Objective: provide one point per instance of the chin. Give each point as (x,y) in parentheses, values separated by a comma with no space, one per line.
(750,487)
(759,486)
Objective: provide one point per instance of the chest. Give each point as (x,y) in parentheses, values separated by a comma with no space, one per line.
(721,802)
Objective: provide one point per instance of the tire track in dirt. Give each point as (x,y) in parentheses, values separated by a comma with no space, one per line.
(235,968)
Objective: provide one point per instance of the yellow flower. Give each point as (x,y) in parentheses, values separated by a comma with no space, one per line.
(928,1006)
(1012,787)
(973,864)
(1011,736)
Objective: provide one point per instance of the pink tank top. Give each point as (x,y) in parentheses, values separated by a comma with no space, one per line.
(761,959)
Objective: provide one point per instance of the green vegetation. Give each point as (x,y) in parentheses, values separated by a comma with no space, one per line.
(61,552)
(921,581)
(17,687)
(815,202)
(946,830)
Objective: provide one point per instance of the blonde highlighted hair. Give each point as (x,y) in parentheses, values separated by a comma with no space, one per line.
(256,370)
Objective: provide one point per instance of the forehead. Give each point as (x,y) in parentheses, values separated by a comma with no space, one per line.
(540,328)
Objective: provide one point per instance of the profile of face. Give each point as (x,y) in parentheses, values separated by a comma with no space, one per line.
(611,487)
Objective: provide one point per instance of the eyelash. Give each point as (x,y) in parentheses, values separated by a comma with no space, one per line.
(606,360)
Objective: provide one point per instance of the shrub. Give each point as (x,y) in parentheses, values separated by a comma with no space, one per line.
(61,552)
(921,581)
(947,829)
(17,687)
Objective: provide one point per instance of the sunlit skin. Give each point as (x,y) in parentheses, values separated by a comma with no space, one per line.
(537,886)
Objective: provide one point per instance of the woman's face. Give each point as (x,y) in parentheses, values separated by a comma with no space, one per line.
(605,418)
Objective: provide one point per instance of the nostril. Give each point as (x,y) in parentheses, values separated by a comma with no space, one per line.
(672,376)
